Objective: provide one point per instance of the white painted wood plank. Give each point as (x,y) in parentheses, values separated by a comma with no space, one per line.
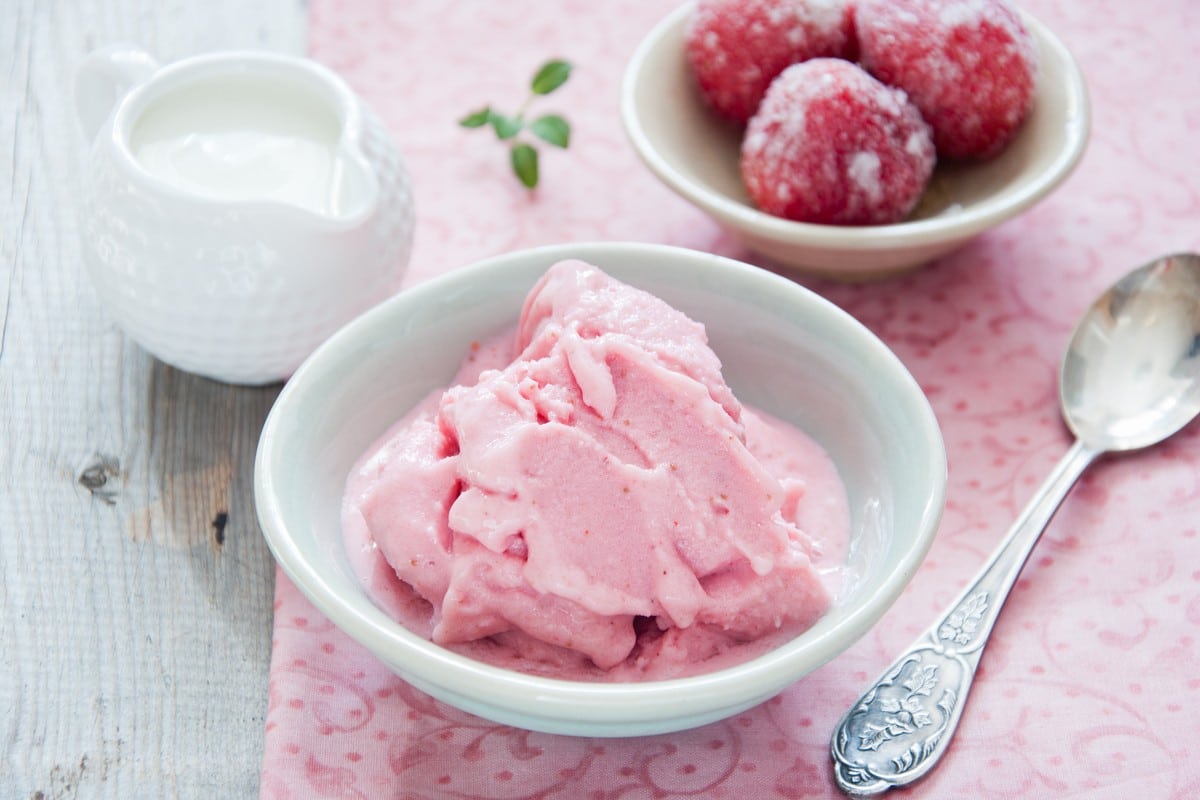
(135,607)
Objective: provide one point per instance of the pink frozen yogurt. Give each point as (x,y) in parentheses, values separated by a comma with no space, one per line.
(590,501)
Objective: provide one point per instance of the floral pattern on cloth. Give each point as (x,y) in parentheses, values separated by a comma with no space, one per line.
(1090,685)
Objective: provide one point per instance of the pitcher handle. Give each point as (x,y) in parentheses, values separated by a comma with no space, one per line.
(104,77)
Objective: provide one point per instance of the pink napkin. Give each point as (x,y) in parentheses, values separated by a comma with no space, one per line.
(1090,686)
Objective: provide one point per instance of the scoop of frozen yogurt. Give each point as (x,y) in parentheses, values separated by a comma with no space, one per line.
(595,493)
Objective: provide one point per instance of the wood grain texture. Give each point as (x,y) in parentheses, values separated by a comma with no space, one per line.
(135,607)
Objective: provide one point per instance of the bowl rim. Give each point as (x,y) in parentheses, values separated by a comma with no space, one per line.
(958,226)
(570,706)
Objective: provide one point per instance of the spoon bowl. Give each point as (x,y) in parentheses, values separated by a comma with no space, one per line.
(1130,379)
(1131,375)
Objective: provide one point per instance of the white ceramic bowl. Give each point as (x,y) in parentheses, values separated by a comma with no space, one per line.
(697,154)
(785,350)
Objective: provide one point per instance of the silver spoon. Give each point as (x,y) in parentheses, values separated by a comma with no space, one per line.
(1130,379)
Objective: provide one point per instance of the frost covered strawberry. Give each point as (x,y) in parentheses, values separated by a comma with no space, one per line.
(737,47)
(969,65)
(830,144)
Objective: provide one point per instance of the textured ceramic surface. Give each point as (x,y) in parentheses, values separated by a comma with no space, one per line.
(785,350)
(238,291)
(697,155)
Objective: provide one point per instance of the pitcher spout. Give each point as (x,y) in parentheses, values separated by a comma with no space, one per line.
(353,186)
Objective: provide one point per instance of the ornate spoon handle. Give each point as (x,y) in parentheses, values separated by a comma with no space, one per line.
(903,724)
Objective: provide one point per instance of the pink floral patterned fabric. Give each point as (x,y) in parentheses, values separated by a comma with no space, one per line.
(1091,685)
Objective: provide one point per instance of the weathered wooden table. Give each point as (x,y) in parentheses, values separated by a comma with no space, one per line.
(135,607)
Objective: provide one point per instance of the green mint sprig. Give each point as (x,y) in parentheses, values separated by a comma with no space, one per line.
(550,128)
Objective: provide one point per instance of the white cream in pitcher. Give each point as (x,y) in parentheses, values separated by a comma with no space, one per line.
(242,141)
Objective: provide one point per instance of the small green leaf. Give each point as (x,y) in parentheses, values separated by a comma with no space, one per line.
(477,119)
(552,75)
(525,164)
(505,127)
(553,129)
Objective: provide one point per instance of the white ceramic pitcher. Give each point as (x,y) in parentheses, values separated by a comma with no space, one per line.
(240,206)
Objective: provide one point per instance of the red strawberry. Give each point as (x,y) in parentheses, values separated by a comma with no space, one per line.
(969,65)
(830,144)
(737,47)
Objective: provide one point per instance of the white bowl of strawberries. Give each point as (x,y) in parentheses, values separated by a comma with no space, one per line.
(856,138)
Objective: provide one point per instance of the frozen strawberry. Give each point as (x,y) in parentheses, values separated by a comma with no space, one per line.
(830,144)
(737,47)
(969,65)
